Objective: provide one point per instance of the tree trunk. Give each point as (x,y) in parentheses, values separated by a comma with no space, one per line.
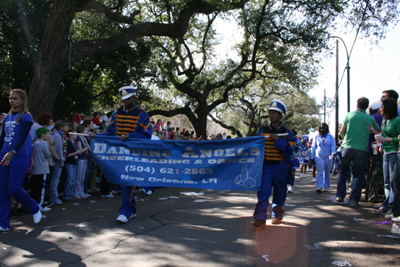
(53,58)
(200,124)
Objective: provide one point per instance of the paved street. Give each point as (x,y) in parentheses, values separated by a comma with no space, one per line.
(210,229)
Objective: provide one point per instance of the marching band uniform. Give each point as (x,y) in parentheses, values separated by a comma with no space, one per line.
(277,164)
(134,122)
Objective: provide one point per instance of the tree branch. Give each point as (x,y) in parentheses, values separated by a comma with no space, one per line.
(231,128)
(89,48)
(97,7)
(170,113)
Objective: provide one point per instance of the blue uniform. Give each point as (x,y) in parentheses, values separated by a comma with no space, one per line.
(135,123)
(277,165)
(12,176)
(295,161)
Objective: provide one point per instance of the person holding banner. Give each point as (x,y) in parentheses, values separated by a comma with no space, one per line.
(130,121)
(279,146)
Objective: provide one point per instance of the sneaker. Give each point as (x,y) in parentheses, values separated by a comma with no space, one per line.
(319,190)
(339,199)
(123,219)
(142,191)
(259,223)
(354,203)
(290,188)
(37,217)
(381,211)
(324,190)
(87,195)
(58,202)
(314,180)
(389,214)
(276,220)
(149,192)
(76,198)
(107,196)
(45,209)
(4,229)
(396,219)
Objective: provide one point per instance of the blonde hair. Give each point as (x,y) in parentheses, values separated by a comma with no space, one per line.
(21,93)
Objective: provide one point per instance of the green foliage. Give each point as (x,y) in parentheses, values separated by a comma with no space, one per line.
(248,112)
(21,29)
(92,85)
(281,42)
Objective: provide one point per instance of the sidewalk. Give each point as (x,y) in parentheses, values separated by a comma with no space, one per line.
(210,229)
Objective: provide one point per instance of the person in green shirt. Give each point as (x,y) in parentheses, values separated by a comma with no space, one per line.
(355,132)
(389,138)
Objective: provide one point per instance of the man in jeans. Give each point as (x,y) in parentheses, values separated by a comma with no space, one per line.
(355,132)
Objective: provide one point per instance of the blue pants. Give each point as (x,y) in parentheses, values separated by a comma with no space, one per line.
(395,186)
(86,183)
(390,171)
(70,183)
(11,180)
(81,165)
(55,179)
(323,172)
(273,176)
(357,159)
(128,201)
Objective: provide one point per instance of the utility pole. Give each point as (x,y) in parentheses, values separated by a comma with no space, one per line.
(325,105)
(348,70)
(337,94)
(348,83)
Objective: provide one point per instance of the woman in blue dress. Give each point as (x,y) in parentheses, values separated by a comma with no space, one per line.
(15,156)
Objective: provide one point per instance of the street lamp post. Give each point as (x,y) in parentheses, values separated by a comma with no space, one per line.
(348,72)
(337,85)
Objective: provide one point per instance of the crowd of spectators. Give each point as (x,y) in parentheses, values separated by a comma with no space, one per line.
(63,169)
(169,132)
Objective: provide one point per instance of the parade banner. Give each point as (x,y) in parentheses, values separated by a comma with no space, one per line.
(234,164)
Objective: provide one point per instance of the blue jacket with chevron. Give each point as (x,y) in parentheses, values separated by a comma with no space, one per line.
(135,122)
(280,150)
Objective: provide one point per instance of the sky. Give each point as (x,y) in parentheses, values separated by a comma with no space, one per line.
(373,67)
